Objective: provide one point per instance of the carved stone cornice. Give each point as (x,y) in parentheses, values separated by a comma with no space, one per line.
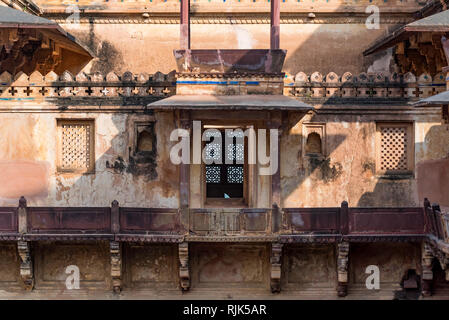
(233,18)
(385,238)
(67,237)
(149,238)
(309,238)
(9,236)
(231,238)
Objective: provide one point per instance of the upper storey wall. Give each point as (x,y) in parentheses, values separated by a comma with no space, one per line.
(140,36)
(231,6)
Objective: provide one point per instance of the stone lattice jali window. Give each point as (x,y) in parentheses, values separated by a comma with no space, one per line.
(395,150)
(76,146)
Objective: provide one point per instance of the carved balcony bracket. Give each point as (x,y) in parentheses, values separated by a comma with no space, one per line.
(427,256)
(184,270)
(342,268)
(276,267)
(26,264)
(443,258)
(115,253)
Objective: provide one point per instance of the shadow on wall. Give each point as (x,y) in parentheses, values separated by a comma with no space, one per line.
(135,169)
(132,164)
(107,57)
(431,177)
(120,168)
(339,48)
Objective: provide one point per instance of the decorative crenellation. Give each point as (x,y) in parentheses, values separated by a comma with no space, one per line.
(82,85)
(364,85)
(22,87)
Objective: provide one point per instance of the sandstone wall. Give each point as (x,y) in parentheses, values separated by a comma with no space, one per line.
(139,36)
(218,270)
(29,154)
(348,170)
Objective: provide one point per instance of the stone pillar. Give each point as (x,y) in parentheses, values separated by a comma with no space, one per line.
(275,24)
(276,124)
(344,218)
(115,217)
(445,109)
(22,215)
(185,24)
(184,175)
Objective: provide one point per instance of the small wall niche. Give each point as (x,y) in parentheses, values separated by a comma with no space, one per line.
(145,138)
(313,144)
(143,157)
(314,140)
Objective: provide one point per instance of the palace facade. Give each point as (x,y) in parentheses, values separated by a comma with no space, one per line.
(95,96)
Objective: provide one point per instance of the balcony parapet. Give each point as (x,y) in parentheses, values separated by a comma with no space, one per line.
(299,225)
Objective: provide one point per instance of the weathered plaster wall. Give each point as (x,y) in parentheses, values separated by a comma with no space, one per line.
(393,260)
(433,168)
(28,163)
(149,47)
(29,153)
(348,170)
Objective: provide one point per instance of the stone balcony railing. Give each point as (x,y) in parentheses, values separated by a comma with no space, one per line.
(276,227)
(139,89)
(225,225)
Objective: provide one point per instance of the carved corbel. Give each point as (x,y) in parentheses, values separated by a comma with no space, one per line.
(427,273)
(444,262)
(443,259)
(115,253)
(276,267)
(184,271)
(342,269)
(26,264)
